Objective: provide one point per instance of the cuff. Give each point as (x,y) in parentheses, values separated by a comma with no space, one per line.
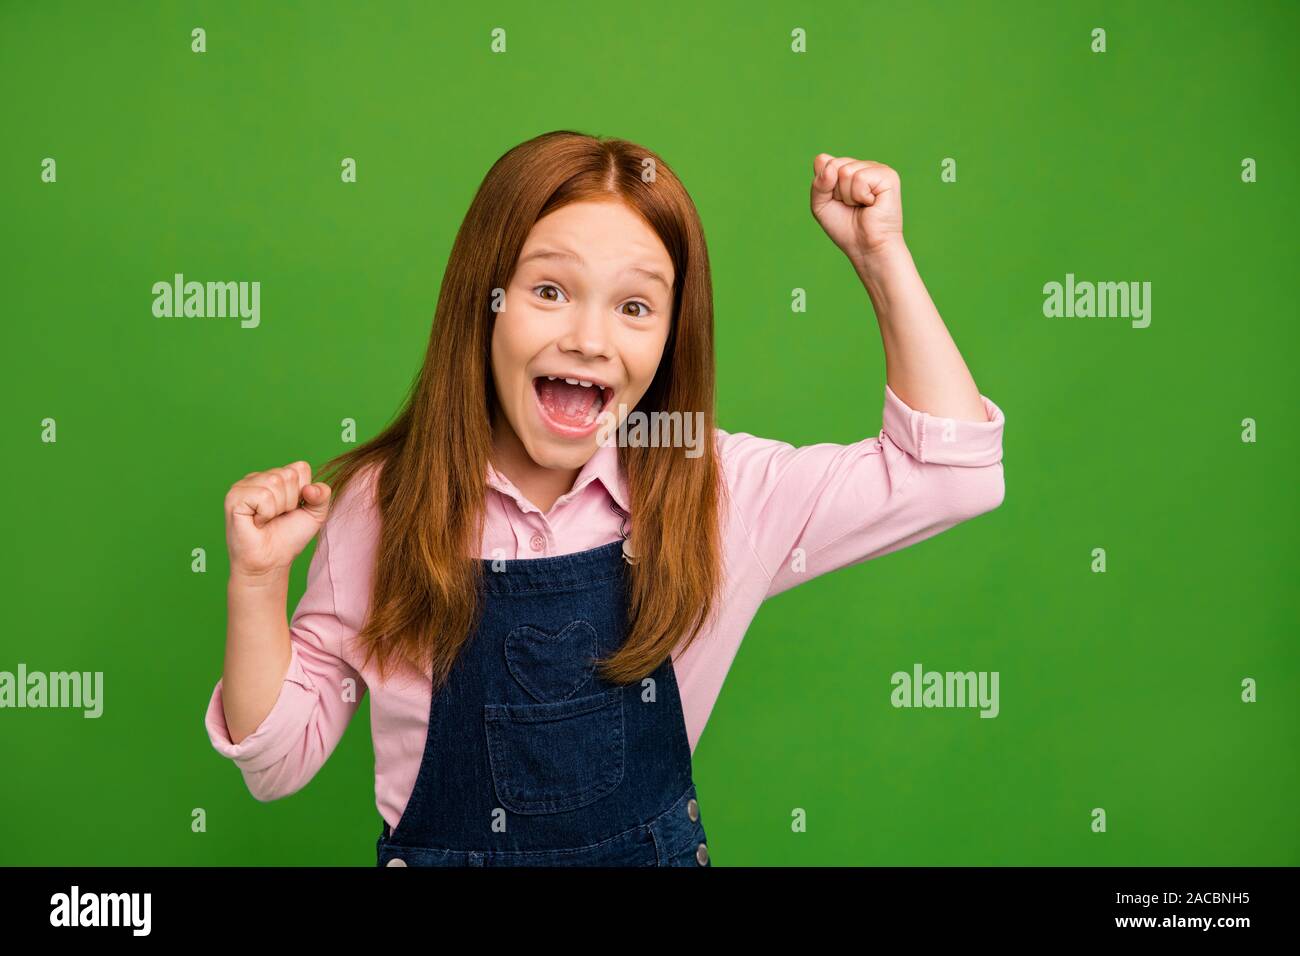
(278,731)
(945,441)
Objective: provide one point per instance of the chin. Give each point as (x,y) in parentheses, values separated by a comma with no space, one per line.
(562,455)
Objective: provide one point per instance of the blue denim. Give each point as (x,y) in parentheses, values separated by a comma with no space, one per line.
(531,758)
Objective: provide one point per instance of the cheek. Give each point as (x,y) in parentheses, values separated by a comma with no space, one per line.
(641,353)
(511,345)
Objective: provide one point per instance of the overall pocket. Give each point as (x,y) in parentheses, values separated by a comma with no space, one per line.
(552,757)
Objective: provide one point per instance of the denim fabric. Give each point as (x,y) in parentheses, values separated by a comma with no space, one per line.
(531,758)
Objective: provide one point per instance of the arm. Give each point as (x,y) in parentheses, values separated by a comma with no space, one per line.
(284,698)
(813,509)
(937,460)
(311,705)
(859,205)
(257,648)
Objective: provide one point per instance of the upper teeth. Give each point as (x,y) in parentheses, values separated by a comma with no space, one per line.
(572,381)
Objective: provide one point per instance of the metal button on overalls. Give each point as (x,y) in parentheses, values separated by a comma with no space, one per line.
(532,758)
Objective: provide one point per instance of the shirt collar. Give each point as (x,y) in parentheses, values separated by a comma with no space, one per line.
(602,466)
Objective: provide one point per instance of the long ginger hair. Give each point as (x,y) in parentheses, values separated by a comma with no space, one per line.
(433,458)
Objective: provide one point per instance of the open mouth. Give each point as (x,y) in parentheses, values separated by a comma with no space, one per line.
(571,406)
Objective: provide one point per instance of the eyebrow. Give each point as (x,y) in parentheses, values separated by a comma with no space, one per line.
(574,257)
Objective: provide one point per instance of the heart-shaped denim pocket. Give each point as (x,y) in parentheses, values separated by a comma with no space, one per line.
(551,666)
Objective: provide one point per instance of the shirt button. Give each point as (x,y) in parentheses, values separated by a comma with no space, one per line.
(702,855)
(398,861)
(537,542)
(693,809)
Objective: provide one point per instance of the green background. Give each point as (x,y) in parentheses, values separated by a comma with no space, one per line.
(1118,690)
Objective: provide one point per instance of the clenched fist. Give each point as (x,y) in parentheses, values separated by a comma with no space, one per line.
(271,516)
(858,203)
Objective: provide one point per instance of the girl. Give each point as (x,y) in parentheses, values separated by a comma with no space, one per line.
(542,617)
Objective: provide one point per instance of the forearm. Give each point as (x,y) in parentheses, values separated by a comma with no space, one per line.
(922,363)
(257,649)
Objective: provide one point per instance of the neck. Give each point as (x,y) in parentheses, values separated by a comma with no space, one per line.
(540,485)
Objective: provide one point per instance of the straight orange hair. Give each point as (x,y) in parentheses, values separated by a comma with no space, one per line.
(433,458)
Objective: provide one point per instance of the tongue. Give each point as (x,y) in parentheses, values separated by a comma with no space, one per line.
(573,405)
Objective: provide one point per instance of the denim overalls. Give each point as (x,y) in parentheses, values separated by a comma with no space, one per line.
(533,760)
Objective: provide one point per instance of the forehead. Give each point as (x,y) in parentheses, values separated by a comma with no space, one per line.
(602,234)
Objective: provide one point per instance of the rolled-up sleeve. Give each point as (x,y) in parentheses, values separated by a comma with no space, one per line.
(317,699)
(813,509)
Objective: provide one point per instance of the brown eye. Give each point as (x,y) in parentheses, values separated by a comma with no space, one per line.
(645,310)
(548,298)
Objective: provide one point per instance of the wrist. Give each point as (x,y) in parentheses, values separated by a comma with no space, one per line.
(882,258)
(271,579)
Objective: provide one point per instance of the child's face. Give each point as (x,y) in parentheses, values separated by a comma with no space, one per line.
(579,307)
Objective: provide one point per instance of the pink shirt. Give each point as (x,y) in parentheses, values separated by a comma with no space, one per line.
(840,504)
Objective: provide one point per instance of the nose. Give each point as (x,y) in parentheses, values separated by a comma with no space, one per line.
(588,333)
